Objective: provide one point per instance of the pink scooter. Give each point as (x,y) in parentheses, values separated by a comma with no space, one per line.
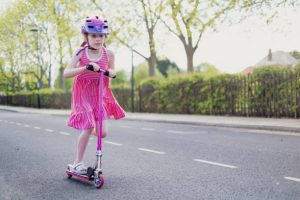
(95,173)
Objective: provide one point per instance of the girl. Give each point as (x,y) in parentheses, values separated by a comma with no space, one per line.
(84,65)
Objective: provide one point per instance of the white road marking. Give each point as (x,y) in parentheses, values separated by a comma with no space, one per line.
(185,132)
(193,126)
(215,163)
(148,129)
(64,133)
(125,126)
(177,132)
(11,122)
(49,130)
(268,132)
(27,125)
(292,179)
(19,124)
(36,127)
(151,151)
(113,143)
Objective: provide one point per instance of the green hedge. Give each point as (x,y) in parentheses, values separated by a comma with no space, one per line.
(269,92)
(189,94)
(49,98)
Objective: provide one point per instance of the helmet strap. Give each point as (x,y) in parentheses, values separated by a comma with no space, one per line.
(91,48)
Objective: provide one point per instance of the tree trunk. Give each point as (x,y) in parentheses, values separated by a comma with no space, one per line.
(19,84)
(190,58)
(152,59)
(61,68)
(13,86)
(190,63)
(152,64)
(49,79)
(61,72)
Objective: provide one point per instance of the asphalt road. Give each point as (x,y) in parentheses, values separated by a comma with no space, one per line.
(143,160)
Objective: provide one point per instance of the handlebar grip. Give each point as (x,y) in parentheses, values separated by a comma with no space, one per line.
(106,73)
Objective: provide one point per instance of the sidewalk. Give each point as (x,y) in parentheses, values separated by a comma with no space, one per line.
(290,125)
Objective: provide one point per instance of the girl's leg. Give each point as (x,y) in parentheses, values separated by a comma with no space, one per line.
(104,129)
(83,140)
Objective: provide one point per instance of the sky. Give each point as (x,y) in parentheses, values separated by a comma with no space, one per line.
(231,48)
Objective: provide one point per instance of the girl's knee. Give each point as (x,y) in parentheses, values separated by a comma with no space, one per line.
(104,134)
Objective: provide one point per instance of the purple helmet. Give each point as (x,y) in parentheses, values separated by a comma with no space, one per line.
(95,26)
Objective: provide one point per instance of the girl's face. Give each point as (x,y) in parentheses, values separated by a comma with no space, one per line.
(96,40)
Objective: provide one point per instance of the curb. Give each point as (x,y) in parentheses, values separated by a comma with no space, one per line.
(242,126)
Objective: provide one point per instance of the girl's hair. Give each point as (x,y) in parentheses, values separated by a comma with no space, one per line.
(83,44)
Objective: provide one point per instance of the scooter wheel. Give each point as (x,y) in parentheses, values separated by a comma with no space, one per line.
(99,181)
(69,176)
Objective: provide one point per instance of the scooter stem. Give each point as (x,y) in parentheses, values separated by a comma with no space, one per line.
(99,146)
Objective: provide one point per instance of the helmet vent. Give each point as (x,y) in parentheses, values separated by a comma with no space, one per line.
(90,26)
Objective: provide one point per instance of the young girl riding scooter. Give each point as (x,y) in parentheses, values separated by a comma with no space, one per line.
(84,66)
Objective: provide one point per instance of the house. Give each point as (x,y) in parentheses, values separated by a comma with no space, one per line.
(248,70)
(277,58)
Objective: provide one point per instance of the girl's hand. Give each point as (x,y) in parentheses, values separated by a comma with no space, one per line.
(112,72)
(96,67)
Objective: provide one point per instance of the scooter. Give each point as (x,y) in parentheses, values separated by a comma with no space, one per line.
(94,173)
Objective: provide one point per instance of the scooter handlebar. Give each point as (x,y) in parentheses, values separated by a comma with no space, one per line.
(105,72)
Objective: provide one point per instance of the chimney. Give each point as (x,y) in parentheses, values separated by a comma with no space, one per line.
(270,55)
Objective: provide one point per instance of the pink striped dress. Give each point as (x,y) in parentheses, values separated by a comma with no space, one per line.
(85,95)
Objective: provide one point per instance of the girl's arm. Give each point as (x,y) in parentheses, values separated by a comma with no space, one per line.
(72,69)
(111,63)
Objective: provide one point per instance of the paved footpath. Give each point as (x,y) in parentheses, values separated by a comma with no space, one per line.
(274,124)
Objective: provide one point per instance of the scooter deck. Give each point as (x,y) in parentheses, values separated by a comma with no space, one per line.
(82,176)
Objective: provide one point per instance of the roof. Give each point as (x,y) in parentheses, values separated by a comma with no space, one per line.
(248,70)
(277,58)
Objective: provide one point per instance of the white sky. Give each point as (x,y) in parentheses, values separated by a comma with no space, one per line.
(231,49)
(3,4)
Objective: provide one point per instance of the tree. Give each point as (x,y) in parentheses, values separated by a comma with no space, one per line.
(61,15)
(207,70)
(165,66)
(121,79)
(13,43)
(131,22)
(190,19)
(141,74)
(296,55)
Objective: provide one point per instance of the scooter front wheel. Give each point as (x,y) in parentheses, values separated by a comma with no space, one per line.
(99,181)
